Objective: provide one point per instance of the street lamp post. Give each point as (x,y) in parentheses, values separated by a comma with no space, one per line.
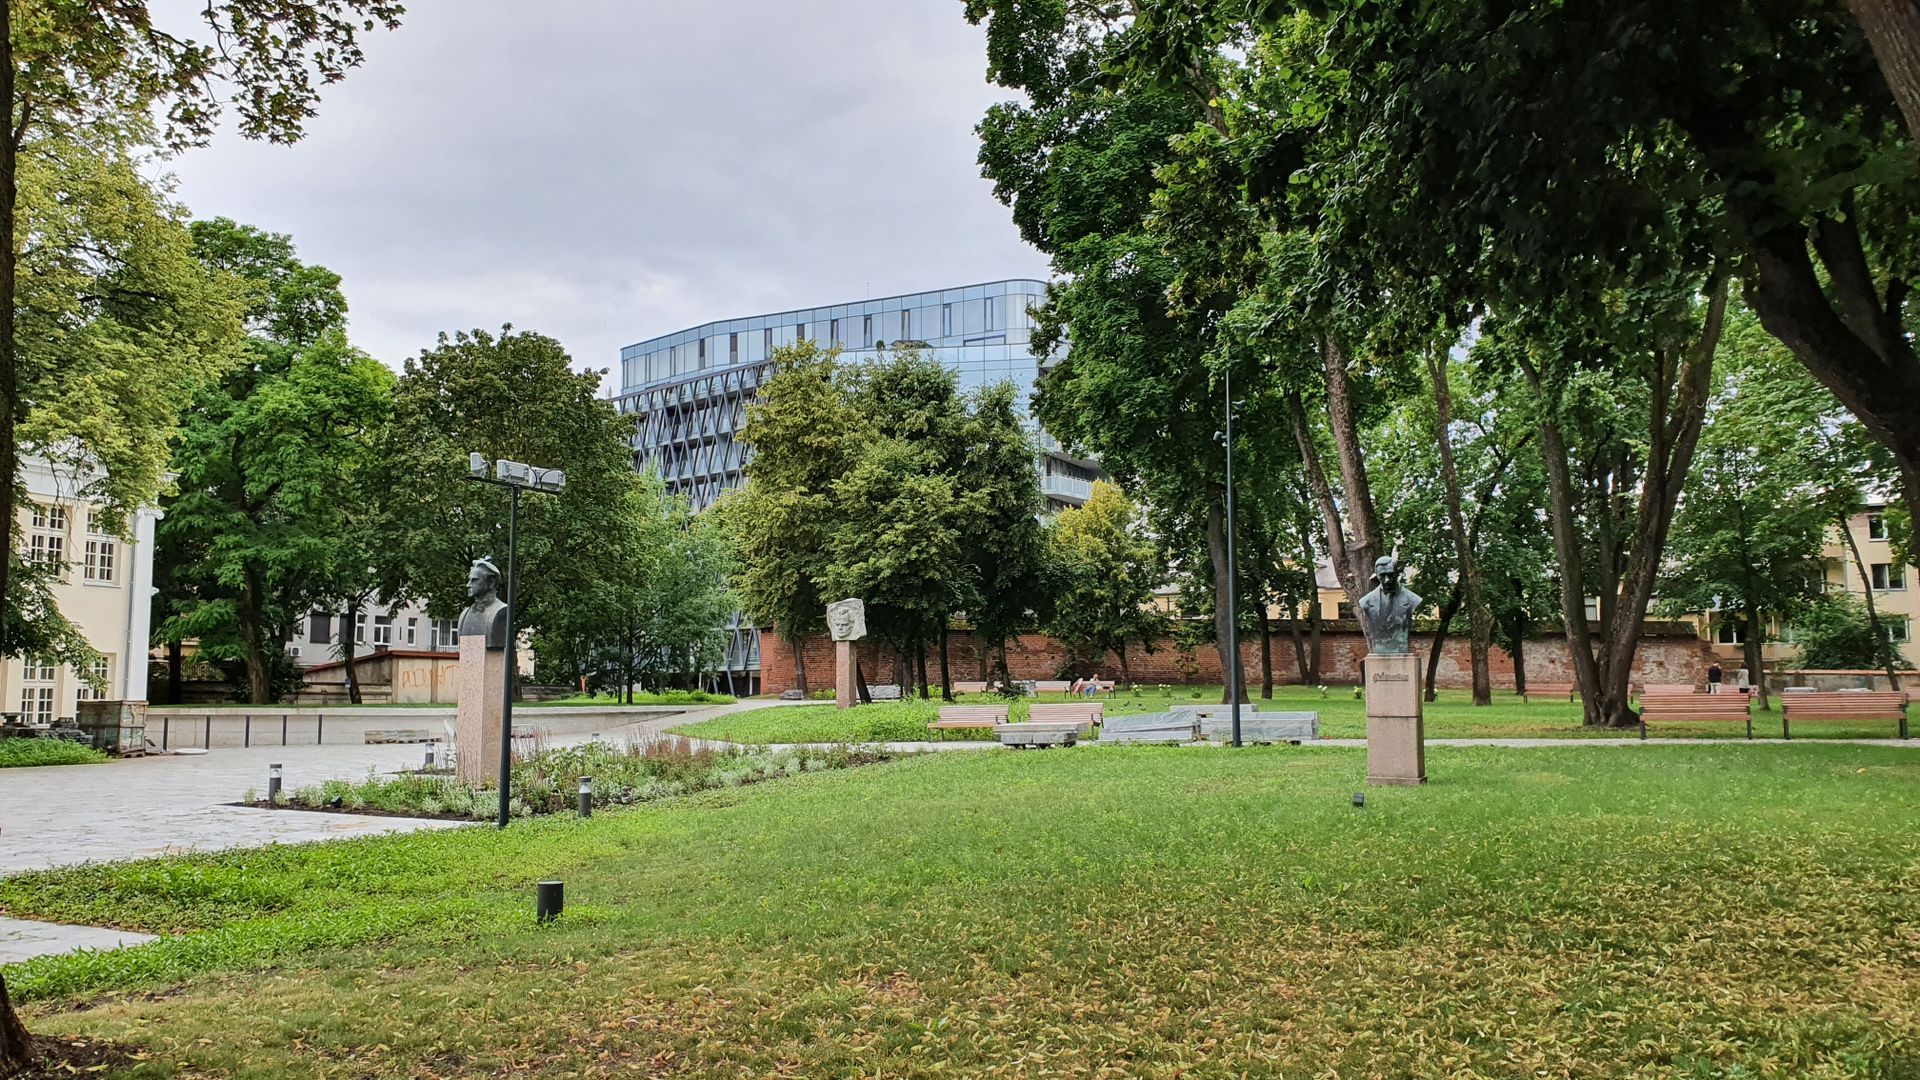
(1233,581)
(513,476)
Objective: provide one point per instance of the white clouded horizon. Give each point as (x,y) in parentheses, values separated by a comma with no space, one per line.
(613,170)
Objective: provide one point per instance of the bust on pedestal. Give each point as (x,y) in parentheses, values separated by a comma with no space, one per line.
(483,673)
(1396,741)
(847,623)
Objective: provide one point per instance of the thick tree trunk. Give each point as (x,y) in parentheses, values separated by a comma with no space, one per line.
(1520,664)
(253,641)
(797,643)
(9,259)
(1892,28)
(1479,619)
(1756,674)
(176,672)
(1601,706)
(1300,674)
(920,668)
(1126,672)
(1343,419)
(1333,530)
(1882,648)
(16,1046)
(1222,623)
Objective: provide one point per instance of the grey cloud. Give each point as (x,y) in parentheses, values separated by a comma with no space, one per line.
(607,170)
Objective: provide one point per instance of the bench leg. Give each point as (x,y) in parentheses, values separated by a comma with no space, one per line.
(1784,732)
(1903,725)
(1643,727)
(1749,725)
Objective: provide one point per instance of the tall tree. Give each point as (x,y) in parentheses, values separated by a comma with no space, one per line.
(512,396)
(1107,569)
(267,460)
(1004,545)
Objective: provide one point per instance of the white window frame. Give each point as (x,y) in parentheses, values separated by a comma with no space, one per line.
(38,684)
(1899,629)
(413,630)
(360,628)
(101,565)
(383,630)
(1876,526)
(1888,577)
(47,542)
(102,669)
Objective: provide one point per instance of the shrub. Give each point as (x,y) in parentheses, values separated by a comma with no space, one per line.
(25,753)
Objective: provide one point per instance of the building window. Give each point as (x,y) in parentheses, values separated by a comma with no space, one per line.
(946,320)
(382,630)
(48,542)
(320,629)
(1730,632)
(103,551)
(446,635)
(866,332)
(413,630)
(360,628)
(986,306)
(36,691)
(1889,576)
(800,332)
(833,332)
(1876,527)
(733,348)
(906,325)
(767,341)
(101,671)
(1898,630)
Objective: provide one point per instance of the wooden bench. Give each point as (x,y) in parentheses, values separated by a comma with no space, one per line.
(1556,690)
(1843,705)
(1052,686)
(969,716)
(1082,714)
(1681,702)
(970,687)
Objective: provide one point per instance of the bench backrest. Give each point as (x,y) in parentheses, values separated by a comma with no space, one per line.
(1079,711)
(1052,686)
(970,687)
(1845,701)
(1668,689)
(997,713)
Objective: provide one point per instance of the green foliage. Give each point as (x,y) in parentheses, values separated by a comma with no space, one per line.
(514,396)
(1833,633)
(28,753)
(1106,570)
(841,923)
(271,463)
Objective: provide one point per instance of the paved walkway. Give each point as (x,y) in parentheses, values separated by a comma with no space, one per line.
(22,939)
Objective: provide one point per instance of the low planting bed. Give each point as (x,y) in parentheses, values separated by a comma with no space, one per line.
(29,753)
(547,781)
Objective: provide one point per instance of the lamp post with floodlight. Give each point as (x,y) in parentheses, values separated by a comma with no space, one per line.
(513,476)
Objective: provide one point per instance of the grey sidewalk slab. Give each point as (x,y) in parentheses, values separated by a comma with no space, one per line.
(23,939)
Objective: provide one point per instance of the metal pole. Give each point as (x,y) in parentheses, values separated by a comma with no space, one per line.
(506,711)
(1233,581)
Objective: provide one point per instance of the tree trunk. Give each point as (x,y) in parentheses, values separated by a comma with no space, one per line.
(1892,28)
(253,641)
(1756,674)
(176,672)
(797,642)
(1299,648)
(1126,673)
(1222,623)
(349,648)
(920,666)
(1479,620)
(1600,706)
(16,1046)
(9,258)
(1332,529)
(1883,649)
(1314,625)
(1266,655)
(1343,419)
(946,677)
(1447,611)
(1520,664)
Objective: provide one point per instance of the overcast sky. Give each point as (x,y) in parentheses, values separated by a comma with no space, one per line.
(607,170)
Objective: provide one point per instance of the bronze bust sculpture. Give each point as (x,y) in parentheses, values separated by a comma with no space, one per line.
(487,614)
(1389,610)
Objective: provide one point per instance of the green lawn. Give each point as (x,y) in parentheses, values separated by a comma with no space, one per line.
(27,753)
(1577,911)
(665,697)
(1342,715)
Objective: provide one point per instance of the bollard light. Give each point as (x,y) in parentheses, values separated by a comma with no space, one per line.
(586,796)
(428,764)
(1359,798)
(273,782)
(550,898)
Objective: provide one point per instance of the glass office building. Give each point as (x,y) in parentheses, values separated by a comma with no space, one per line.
(691,388)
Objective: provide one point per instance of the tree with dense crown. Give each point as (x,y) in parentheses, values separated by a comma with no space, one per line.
(1107,569)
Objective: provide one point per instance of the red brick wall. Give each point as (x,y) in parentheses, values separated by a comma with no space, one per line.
(1675,655)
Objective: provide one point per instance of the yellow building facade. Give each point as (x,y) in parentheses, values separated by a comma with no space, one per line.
(1895,585)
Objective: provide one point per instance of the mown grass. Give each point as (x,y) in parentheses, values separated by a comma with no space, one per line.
(1342,716)
(30,753)
(603,701)
(1577,911)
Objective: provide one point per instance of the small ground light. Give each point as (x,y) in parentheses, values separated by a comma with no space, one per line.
(273,782)
(429,762)
(550,899)
(586,796)
(1359,798)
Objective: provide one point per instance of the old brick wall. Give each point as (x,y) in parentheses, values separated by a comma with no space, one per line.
(1667,654)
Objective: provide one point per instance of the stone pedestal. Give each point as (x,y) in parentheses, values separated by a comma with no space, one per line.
(476,717)
(1396,739)
(845,694)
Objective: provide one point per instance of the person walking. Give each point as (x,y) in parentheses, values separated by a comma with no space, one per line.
(1714,676)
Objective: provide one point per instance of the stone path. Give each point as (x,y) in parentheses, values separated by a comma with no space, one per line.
(23,939)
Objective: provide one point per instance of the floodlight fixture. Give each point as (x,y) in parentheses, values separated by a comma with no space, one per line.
(477,465)
(513,472)
(554,480)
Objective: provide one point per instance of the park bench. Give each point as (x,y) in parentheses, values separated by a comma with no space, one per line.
(1052,686)
(970,687)
(1558,691)
(1083,715)
(1031,736)
(1667,701)
(1843,705)
(969,716)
